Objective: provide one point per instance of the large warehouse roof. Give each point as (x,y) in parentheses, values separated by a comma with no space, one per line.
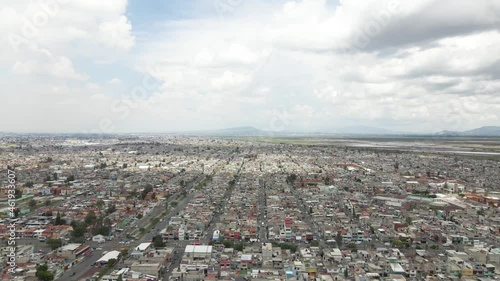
(108,256)
(198,249)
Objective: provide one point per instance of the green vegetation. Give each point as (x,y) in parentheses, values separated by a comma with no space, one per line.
(54,243)
(96,225)
(284,246)
(111,263)
(32,203)
(43,273)
(147,189)
(158,242)
(111,209)
(59,220)
(18,194)
(352,247)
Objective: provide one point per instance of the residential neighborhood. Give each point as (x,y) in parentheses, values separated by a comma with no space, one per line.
(200,208)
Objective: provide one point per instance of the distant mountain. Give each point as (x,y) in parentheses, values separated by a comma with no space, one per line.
(353,130)
(364,130)
(447,133)
(485,131)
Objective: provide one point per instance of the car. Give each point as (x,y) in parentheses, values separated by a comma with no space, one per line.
(98,249)
(73,273)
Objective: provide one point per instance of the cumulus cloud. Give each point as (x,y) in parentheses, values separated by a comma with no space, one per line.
(404,65)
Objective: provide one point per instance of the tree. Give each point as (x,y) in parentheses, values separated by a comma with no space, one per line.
(90,218)
(70,178)
(397,243)
(239,246)
(99,204)
(54,175)
(327,180)
(54,243)
(19,193)
(408,220)
(111,263)
(372,230)
(78,230)
(59,220)
(28,184)
(43,274)
(227,243)
(32,203)
(111,209)
(158,242)
(124,165)
(338,239)
(147,189)
(124,251)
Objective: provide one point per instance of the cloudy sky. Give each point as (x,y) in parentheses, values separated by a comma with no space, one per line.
(160,66)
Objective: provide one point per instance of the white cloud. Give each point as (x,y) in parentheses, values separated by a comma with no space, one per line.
(229,80)
(116,34)
(431,64)
(115,81)
(59,68)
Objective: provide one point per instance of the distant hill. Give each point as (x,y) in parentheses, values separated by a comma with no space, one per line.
(485,131)
(364,130)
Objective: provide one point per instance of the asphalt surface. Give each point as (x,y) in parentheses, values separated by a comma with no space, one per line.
(82,267)
(263,228)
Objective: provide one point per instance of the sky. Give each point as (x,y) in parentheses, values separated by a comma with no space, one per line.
(119,66)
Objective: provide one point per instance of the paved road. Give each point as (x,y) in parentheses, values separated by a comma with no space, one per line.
(263,230)
(87,263)
(312,226)
(179,246)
